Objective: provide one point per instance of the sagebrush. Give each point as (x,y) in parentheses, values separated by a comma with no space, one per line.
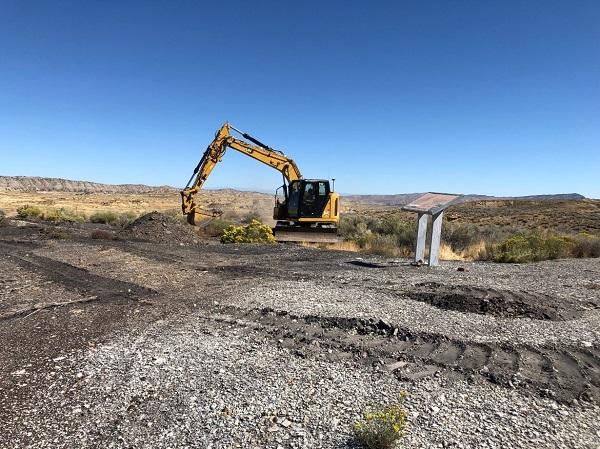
(382,427)
(51,214)
(255,232)
(113,218)
(394,235)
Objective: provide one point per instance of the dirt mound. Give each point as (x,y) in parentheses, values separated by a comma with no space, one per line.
(157,227)
(489,301)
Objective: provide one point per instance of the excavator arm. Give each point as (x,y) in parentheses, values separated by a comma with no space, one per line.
(213,155)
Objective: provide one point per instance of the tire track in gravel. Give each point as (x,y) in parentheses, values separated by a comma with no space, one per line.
(563,373)
(75,278)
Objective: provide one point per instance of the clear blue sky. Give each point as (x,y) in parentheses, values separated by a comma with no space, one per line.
(492,97)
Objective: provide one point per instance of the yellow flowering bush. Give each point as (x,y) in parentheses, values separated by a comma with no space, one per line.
(382,428)
(254,232)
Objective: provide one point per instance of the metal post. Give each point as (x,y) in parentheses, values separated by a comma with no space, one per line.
(421,233)
(436,235)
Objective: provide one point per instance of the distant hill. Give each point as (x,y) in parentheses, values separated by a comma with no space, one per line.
(40,184)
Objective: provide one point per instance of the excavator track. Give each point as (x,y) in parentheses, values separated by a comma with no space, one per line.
(306,235)
(566,373)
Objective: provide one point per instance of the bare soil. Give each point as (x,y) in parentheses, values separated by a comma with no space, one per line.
(497,302)
(158,227)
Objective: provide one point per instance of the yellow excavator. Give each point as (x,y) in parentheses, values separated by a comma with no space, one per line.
(305,209)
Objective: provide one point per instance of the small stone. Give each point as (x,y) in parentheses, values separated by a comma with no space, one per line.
(285,423)
(396,365)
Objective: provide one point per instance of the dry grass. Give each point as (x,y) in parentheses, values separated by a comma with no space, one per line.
(447,253)
(344,245)
(234,204)
(476,251)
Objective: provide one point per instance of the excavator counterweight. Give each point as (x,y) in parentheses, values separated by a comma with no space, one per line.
(306,210)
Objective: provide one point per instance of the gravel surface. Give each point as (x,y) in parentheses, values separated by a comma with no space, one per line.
(180,386)
(312,298)
(280,346)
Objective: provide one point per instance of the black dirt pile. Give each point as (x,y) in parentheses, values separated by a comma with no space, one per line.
(496,302)
(157,227)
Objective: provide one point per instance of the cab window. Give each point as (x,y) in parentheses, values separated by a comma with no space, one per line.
(322,189)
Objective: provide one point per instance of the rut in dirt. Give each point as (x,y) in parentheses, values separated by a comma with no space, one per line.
(75,278)
(563,373)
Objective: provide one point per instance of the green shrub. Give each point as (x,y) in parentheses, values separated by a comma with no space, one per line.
(105,217)
(586,245)
(125,218)
(396,236)
(530,247)
(386,236)
(63,215)
(355,228)
(55,215)
(382,428)
(28,212)
(556,247)
(113,218)
(460,236)
(255,232)
(402,233)
(383,245)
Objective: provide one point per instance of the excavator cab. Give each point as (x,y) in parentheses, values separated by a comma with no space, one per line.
(307,198)
(306,203)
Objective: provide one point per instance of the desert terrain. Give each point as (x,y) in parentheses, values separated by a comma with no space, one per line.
(562,213)
(161,339)
(153,335)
